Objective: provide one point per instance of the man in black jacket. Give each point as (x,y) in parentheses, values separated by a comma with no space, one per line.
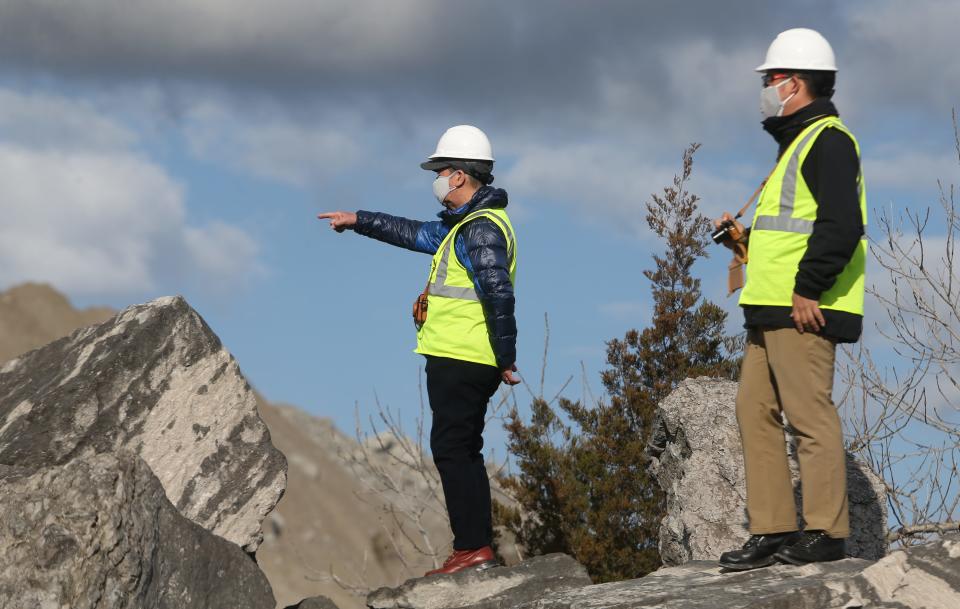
(804,294)
(469,334)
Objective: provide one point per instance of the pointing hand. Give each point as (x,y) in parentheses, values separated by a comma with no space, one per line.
(339,220)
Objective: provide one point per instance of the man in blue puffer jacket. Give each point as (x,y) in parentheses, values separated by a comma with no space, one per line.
(469,336)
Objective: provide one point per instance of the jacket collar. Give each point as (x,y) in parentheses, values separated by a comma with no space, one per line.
(486,197)
(785,129)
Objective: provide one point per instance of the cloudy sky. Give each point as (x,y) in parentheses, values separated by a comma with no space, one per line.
(150,148)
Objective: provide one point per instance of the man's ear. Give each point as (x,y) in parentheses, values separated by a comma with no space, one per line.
(799,83)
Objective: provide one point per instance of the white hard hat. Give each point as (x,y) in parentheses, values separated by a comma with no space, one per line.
(799,49)
(464,142)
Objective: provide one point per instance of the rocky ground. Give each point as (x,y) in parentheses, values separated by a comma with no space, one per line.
(138,469)
(155,380)
(924,576)
(135,470)
(99,531)
(332,522)
(498,588)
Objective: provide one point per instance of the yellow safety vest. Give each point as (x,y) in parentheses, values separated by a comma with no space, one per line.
(782,227)
(456,326)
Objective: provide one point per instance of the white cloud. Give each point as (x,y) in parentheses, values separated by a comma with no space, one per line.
(630,144)
(903,52)
(222,252)
(587,177)
(911,169)
(85,211)
(82,221)
(43,122)
(611,182)
(271,145)
(712,91)
(592,110)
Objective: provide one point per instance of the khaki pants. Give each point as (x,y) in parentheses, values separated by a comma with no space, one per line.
(788,372)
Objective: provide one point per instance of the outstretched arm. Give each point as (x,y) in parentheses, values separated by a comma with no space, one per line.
(401,232)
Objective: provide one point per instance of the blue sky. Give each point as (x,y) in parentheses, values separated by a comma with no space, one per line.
(185,147)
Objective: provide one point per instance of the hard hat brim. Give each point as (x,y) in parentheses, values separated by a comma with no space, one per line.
(433,165)
(766,67)
(439,163)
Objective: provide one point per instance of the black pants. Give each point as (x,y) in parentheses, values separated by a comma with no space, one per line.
(459,392)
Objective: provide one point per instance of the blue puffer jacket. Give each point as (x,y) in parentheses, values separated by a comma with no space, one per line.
(480,246)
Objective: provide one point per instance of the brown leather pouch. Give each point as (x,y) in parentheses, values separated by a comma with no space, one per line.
(738,234)
(735,276)
(420,308)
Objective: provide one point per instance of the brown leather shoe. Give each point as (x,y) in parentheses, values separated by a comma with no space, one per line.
(461,560)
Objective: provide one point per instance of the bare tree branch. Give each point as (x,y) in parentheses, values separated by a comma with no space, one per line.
(902,417)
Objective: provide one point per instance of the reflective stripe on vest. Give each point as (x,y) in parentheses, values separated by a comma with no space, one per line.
(782,226)
(438,286)
(456,325)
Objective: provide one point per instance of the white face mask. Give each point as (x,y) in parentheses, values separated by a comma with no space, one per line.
(441,187)
(770,104)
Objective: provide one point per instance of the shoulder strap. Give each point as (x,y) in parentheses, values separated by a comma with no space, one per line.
(753,197)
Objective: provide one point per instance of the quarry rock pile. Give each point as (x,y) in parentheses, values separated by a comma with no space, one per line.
(135,470)
(919,577)
(497,588)
(155,380)
(98,532)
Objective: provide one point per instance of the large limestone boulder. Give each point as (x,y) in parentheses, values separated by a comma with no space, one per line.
(698,461)
(918,576)
(156,380)
(99,533)
(497,588)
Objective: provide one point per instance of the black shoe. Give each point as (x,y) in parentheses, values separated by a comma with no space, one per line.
(812,546)
(757,552)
